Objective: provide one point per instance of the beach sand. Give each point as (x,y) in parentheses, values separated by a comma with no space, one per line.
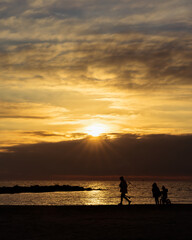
(139,222)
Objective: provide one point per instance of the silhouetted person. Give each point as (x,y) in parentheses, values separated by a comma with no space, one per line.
(123,190)
(164,194)
(156,193)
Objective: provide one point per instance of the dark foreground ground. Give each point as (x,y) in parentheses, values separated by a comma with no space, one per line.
(139,222)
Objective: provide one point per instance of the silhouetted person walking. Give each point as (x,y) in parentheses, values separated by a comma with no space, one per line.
(156,193)
(123,190)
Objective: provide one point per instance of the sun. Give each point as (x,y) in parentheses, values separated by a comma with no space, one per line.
(96,130)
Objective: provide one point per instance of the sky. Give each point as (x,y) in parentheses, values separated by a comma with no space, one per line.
(74,68)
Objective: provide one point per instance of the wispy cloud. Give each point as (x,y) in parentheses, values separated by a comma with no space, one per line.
(125,63)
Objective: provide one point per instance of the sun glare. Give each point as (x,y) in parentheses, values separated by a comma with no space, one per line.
(96,130)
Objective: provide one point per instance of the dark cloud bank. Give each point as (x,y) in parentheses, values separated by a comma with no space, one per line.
(151,155)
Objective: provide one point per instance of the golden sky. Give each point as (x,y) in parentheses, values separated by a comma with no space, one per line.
(67,65)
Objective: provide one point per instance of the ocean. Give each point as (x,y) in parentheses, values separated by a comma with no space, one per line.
(179,192)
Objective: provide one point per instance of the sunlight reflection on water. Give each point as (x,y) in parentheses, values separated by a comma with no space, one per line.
(140,192)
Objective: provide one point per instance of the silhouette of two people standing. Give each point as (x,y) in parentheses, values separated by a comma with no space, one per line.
(163,194)
(123,190)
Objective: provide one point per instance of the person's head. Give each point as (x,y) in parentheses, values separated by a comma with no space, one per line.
(163,187)
(121,178)
(154,184)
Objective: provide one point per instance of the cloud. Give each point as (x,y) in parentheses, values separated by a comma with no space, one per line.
(27,117)
(151,155)
(120,44)
(66,63)
(138,62)
(29,110)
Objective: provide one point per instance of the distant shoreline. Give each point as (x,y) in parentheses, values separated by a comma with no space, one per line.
(41,189)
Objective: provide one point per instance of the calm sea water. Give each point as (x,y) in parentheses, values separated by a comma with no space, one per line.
(140,192)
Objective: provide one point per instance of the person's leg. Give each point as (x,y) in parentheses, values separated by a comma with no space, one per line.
(156,200)
(122,196)
(127,199)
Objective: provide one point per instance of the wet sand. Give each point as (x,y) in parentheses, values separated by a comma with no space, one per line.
(139,222)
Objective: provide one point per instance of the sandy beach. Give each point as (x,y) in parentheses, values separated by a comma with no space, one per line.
(139,222)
